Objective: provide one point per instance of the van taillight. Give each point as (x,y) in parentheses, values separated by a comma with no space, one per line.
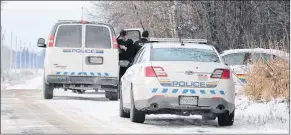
(51,41)
(115,45)
(155,72)
(221,74)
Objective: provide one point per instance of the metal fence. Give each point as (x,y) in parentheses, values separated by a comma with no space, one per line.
(18,54)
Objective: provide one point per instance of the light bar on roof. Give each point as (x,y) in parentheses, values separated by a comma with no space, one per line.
(68,20)
(201,41)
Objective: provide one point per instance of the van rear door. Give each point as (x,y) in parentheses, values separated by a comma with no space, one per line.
(64,54)
(101,58)
(134,34)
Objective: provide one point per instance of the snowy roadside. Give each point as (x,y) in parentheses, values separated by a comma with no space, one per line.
(22,79)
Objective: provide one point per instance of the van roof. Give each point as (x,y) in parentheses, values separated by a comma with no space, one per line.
(60,22)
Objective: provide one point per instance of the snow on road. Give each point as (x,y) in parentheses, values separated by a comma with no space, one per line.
(23,79)
(34,83)
(23,110)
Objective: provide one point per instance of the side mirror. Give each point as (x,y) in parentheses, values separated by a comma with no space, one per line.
(124,63)
(41,42)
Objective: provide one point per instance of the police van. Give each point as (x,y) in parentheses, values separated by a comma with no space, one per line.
(81,55)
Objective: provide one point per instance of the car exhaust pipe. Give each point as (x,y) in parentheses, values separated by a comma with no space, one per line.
(154,105)
(220,107)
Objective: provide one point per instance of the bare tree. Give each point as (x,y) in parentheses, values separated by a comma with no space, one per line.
(230,24)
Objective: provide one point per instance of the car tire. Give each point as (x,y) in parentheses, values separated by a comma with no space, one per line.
(48,91)
(226,119)
(136,115)
(122,113)
(113,96)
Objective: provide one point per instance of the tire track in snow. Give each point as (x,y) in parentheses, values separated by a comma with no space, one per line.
(53,117)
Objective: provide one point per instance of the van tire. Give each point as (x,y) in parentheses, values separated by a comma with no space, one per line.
(226,119)
(107,94)
(113,96)
(48,91)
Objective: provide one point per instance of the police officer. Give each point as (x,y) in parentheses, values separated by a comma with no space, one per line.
(129,50)
(123,35)
(122,45)
(138,44)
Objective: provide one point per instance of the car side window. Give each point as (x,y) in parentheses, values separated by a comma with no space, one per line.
(262,57)
(234,59)
(137,56)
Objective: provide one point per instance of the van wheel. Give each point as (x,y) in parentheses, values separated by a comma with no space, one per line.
(226,119)
(136,115)
(113,96)
(107,94)
(119,90)
(122,113)
(48,91)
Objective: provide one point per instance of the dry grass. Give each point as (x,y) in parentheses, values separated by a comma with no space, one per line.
(268,80)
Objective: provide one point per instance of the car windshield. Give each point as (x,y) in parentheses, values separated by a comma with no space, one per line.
(184,54)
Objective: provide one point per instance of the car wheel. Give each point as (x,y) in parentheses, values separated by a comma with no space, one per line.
(226,119)
(113,96)
(122,113)
(48,91)
(136,115)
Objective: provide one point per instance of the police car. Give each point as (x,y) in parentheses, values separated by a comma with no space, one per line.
(172,77)
(81,55)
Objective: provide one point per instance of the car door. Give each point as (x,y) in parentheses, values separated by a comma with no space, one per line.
(64,52)
(100,58)
(134,34)
(128,76)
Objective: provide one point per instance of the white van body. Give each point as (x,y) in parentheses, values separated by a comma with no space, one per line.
(82,56)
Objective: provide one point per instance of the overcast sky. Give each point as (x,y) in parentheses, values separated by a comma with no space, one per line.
(30,20)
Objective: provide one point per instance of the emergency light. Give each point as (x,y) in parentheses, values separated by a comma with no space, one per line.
(199,41)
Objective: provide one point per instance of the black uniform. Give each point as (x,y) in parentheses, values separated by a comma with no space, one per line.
(138,44)
(126,55)
(130,50)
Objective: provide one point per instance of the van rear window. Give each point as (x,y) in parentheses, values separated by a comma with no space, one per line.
(69,36)
(97,37)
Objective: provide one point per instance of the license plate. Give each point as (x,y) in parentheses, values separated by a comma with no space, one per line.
(96,60)
(188,100)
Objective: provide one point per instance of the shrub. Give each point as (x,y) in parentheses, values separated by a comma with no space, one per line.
(268,80)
